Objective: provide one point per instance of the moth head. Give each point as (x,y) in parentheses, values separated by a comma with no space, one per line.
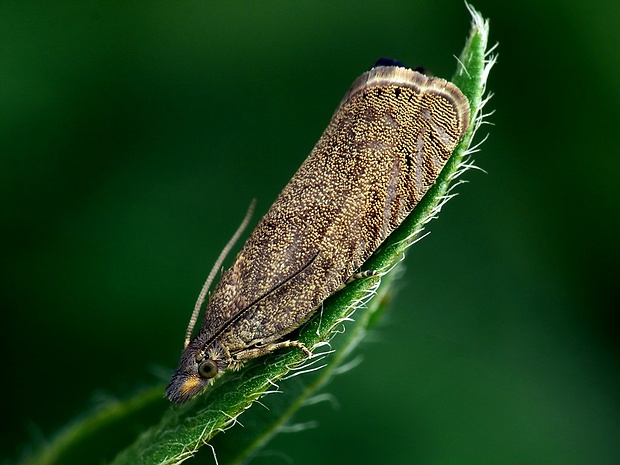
(199,367)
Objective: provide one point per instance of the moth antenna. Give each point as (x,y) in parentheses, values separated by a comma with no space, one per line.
(216,266)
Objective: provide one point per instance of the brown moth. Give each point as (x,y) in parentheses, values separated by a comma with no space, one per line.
(387,142)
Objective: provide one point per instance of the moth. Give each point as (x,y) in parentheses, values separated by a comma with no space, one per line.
(384,147)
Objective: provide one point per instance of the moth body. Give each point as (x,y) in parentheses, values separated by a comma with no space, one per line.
(386,144)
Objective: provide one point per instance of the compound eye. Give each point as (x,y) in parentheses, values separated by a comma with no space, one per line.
(207,369)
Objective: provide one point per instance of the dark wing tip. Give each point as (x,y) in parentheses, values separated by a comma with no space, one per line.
(384,61)
(423,70)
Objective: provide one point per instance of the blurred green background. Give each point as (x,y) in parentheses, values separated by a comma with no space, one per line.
(134,135)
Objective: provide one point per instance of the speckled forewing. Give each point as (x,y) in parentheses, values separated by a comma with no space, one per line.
(383,149)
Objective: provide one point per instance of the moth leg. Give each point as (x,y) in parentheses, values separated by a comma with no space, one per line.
(355,276)
(360,275)
(259,351)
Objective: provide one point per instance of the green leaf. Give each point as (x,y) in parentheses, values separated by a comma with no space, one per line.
(181,431)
